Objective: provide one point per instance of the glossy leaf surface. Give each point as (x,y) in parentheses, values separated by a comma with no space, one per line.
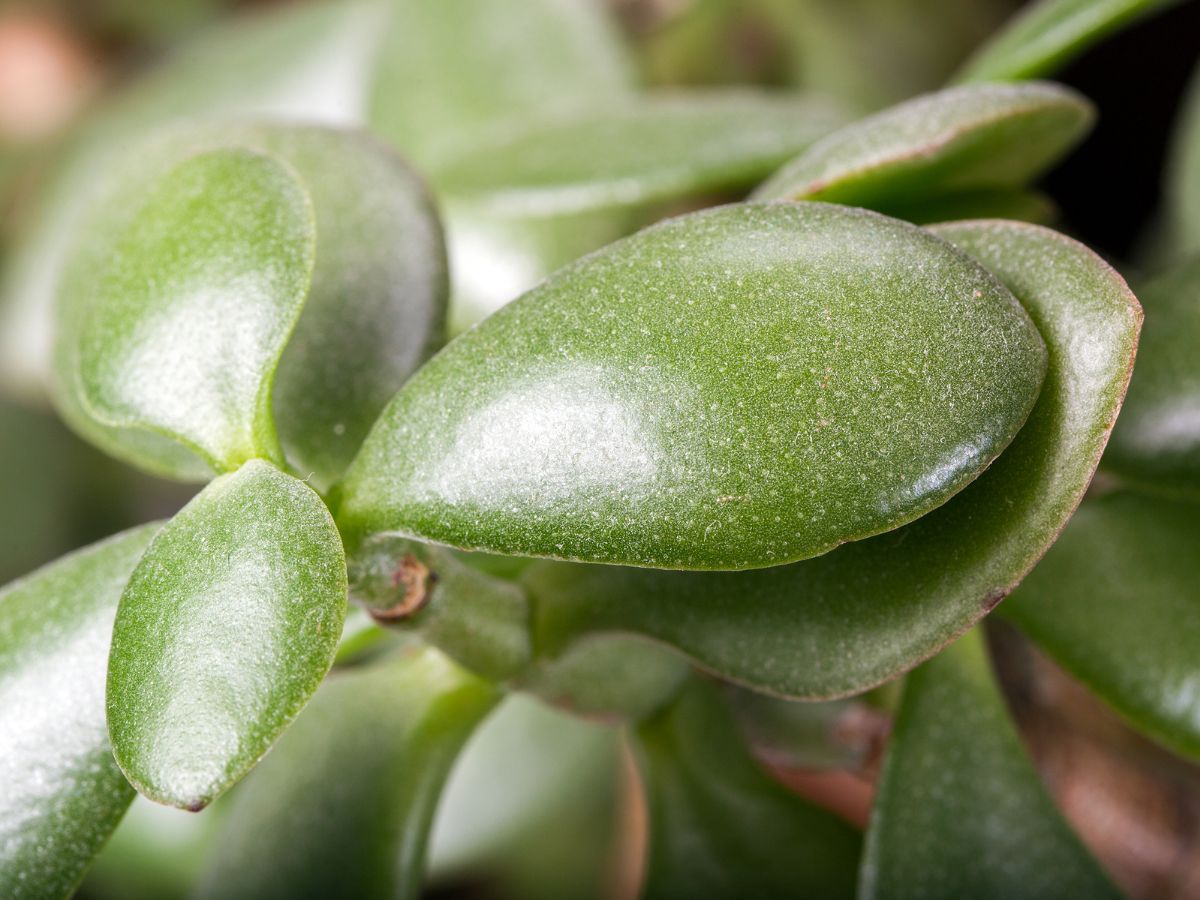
(720,827)
(63,793)
(343,806)
(1117,603)
(373,305)
(969,138)
(653,148)
(960,811)
(1156,443)
(190,317)
(869,610)
(733,388)
(227,626)
(1047,34)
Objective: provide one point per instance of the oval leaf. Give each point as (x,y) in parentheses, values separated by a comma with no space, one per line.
(734,388)
(961,139)
(960,811)
(655,148)
(372,309)
(1046,35)
(1114,602)
(63,793)
(860,615)
(190,316)
(720,827)
(344,805)
(227,626)
(1156,444)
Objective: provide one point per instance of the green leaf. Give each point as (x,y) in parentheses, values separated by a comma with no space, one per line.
(343,806)
(979,137)
(657,147)
(1114,602)
(720,827)
(63,793)
(1017,204)
(1046,35)
(227,626)
(734,388)
(222,245)
(446,74)
(369,294)
(296,62)
(860,615)
(1156,444)
(960,811)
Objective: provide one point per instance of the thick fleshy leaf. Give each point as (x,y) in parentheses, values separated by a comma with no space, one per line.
(960,811)
(371,300)
(734,388)
(1117,603)
(1156,444)
(869,610)
(978,137)
(227,626)
(720,827)
(1047,34)
(298,62)
(655,148)
(63,793)
(190,317)
(446,74)
(1017,204)
(343,806)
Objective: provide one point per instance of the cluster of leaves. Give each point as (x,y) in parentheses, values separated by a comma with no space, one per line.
(801,443)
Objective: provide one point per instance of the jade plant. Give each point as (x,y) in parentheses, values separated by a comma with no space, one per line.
(686,412)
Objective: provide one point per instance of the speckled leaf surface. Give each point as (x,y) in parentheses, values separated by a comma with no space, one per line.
(1156,444)
(343,806)
(657,147)
(1047,34)
(373,307)
(960,811)
(968,138)
(869,610)
(734,388)
(719,826)
(63,794)
(226,628)
(191,314)
(1117,603)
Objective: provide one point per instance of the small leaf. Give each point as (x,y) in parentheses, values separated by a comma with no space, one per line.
(734,388)
(869,610)
(971,138)
(720,827)
(658,147)
(960,811)
(371,309)
(1046,35)
(63,794)
(192,313)
(227,626)
(1114,602)
(1156,443)
(343,806)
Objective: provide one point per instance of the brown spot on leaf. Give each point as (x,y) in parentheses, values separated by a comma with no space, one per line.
(414,583)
